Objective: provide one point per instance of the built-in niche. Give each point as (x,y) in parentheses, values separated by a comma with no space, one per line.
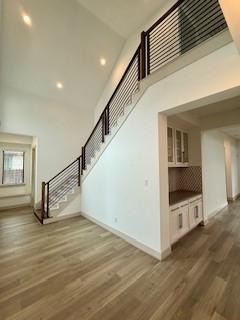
(188,179)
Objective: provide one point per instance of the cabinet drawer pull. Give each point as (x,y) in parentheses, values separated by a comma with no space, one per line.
(180,221)
(196,212)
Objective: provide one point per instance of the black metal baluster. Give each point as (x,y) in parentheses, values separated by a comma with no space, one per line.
(143,55)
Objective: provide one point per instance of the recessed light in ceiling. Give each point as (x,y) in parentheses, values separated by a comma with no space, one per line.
(27,20)
(59,85)
(103,61)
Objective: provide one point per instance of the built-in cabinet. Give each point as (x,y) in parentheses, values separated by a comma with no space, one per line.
(178,147)
(179,221)
(195,212)
(171,147)
(185,216)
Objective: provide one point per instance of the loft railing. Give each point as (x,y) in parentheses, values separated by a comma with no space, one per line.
(187,24)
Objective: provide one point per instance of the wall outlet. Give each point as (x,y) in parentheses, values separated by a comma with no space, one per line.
(116,220)
(146,183)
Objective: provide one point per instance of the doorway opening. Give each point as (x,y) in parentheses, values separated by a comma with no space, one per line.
(202,164)
(18,170)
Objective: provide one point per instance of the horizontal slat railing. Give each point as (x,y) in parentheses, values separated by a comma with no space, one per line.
(128,85)
(184,26)
(57,187)
(187,24)
(124,92)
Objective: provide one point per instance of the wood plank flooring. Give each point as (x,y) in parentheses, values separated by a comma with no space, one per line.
(75,270)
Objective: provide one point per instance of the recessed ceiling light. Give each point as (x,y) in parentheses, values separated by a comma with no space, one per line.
(103,61)
(27,20)
(59,85)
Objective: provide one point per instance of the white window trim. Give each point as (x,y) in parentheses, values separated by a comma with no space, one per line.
(16,148)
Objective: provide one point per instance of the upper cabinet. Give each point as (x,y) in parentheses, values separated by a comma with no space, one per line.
(171,150)
(185,148)
(178,147)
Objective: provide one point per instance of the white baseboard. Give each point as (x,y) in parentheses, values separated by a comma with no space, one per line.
(16,206)
(214,213)
(125,237)
(15,201)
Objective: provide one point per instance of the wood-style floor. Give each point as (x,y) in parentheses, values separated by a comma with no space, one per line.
(76,270)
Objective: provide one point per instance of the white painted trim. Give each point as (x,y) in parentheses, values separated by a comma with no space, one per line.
(22,205)
(128,239)
(12,185)
(166,253)
(16,196)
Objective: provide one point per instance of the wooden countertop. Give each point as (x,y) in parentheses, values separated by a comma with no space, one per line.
(181,195)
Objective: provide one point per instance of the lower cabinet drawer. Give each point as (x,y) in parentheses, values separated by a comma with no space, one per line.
(195,213)
(179,222)
(184,217)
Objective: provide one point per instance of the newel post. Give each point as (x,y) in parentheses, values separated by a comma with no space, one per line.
(43,200)
(79,171)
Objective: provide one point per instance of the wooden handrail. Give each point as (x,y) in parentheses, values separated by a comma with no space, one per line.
(112,96)
(163,17)
(58,174)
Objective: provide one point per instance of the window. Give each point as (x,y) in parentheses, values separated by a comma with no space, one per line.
(13,167)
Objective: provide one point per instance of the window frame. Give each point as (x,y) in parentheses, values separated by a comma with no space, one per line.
(23,171)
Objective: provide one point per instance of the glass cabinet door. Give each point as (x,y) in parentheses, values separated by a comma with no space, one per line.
(170,145)
(185,148)
(178,146)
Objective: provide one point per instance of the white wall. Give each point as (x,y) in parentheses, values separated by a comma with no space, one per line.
(228,166)
(124,184)
(231,11)
(213,171)
(195,156)
(235,170)
(61,130)
(122,190)
(232,167)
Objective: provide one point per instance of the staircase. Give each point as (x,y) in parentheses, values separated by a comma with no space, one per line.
(185,26)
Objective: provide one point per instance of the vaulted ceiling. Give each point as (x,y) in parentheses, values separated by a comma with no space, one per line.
(123,16)
(65,43)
